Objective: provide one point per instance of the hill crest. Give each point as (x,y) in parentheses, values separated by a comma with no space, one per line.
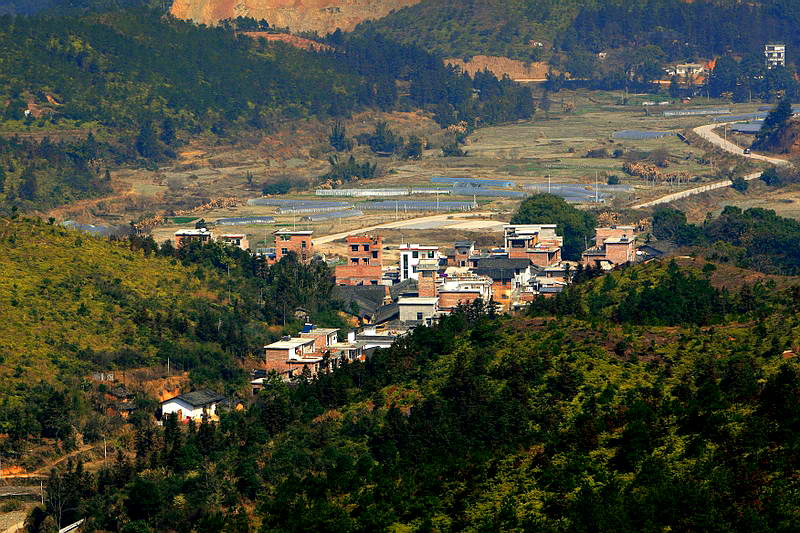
(321,16)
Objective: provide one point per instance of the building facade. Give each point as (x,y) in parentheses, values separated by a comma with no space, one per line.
(410,256)
(297,241)
(775,55)
(364,261)
(186,236)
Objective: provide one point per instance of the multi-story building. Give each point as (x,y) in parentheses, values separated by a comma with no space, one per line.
(463,251)
(463,289)
(775,55)
(410,256)
(614,245)
(364,261)
(185,236)
(538,243)
(297,241)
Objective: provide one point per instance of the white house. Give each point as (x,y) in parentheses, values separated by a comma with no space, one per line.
(410,255)
(193,405)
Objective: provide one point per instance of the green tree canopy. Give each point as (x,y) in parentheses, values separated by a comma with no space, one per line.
(576,226)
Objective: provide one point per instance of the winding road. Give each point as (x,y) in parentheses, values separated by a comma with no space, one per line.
(707,133)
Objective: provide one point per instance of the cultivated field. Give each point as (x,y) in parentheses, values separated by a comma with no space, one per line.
(555,145)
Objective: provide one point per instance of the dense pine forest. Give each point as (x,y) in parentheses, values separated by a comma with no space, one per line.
(486,423)
(511,27)
(638,38)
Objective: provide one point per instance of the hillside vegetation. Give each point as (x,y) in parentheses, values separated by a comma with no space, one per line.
(637,37)
(146,83)
(486,423)
(71,304)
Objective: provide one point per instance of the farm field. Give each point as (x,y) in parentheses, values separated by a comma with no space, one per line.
(554,145)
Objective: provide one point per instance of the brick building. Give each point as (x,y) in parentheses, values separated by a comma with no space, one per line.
(538,243)
(364,261)
(614,245)
(185,236)
(297,241)
(463,289)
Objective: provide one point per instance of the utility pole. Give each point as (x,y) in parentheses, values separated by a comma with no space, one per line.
(596,199)
(548,184)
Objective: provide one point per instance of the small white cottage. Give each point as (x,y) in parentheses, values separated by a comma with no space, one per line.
(193,405)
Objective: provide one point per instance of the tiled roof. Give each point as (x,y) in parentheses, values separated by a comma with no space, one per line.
(199,398)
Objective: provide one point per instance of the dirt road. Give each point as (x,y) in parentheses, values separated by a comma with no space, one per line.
(707,133)
(403,223)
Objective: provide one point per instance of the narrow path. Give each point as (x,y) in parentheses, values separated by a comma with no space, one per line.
(707,133)
(44,470)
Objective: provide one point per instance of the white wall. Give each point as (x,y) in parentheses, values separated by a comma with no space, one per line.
(174,405)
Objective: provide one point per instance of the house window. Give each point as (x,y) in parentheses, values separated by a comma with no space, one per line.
(415,255)
(354,260)
(366,247)
(303,244)
(366,260)
(354,247)
(284,251)
(419,316)
(284,237)
(375,255)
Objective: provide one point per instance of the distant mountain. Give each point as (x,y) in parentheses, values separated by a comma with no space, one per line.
(531,30)
(321,16)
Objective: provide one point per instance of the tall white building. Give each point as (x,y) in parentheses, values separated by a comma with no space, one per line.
(775,55)
(410,256)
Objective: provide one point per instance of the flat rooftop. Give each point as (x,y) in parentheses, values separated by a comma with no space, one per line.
(294,342)
(193,231)
(320,331)
(293,232)
(416,300)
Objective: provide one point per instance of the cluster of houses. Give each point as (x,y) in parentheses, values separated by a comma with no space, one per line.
(427,283)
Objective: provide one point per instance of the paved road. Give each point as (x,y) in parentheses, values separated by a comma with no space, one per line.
(707,133)
(450,217)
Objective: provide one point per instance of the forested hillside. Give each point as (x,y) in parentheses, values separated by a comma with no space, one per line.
(638,37)
(485,423)
(145,83)
(71,304)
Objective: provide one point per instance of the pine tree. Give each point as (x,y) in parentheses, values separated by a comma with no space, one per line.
(146,142)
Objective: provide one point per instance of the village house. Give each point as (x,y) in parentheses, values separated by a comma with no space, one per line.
(508,275)
(463,251)
(418,309)
(775,55)
(185,236)
(289,355)
(297,241)
(538,243)
(235,239)
(614,245)
(410,256)
(364,261)
(195,405)
(463,289)
(322,337)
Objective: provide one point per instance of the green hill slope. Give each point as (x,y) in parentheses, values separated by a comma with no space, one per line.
(489,423)
(511,27)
